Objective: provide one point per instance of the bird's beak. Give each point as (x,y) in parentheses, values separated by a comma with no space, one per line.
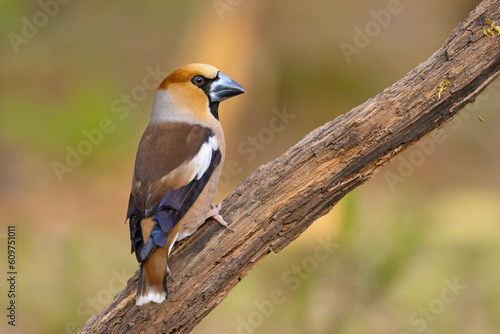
(224,87)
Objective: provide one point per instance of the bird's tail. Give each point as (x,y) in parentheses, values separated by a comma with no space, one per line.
(152,279)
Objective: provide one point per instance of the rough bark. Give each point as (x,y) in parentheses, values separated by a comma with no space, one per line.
(279,200)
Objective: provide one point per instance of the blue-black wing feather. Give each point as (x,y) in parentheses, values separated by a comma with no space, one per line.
(169,212)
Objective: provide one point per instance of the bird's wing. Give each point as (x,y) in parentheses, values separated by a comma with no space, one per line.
(174,163)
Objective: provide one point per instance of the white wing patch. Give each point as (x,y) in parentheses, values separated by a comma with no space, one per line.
(188,171)
(200,163)
(203,158)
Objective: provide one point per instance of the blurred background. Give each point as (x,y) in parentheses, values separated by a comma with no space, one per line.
(416,249)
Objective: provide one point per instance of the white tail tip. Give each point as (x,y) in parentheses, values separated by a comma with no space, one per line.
(151,296)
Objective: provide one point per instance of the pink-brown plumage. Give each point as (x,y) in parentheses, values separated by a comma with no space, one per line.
(178,165)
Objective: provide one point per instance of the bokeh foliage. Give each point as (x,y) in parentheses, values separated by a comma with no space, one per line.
(397,244)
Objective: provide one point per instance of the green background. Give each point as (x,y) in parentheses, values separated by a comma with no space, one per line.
(398,245)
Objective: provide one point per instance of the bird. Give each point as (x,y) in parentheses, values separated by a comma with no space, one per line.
(178,164)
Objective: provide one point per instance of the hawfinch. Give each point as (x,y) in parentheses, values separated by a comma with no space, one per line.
(177,167)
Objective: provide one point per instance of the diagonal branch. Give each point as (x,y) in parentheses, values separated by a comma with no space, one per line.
(279,200)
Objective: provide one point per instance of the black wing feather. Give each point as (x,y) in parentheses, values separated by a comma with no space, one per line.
(169,212)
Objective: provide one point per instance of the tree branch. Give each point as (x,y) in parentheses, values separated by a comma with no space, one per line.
(279,200)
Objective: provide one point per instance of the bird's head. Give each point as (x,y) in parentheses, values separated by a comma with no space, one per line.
(195,90)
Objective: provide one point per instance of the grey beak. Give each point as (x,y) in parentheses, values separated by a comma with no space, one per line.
(224,87)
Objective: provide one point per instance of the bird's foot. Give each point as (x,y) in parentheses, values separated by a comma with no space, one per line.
(169,274)
(214,213)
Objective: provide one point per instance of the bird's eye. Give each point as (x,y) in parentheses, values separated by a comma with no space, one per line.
(198,80)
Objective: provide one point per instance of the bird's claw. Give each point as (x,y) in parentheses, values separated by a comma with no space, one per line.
(169,274)
(214,213)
